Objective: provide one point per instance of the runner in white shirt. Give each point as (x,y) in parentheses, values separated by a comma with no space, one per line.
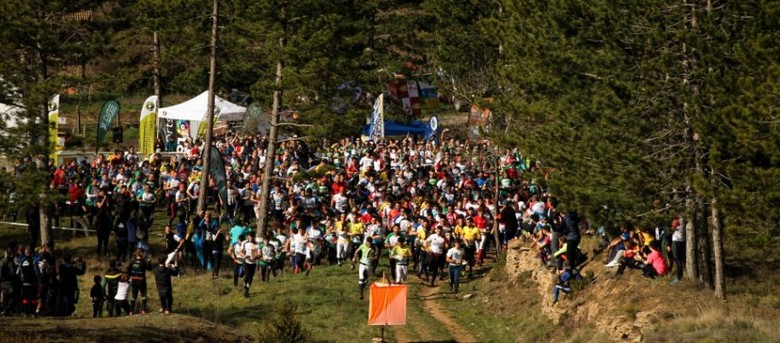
(455,259)
(238,258)
(249,253)
(436,244)
(301,247)
(366,161)
(339,202)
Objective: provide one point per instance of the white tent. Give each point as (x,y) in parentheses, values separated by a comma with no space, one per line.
(196,109)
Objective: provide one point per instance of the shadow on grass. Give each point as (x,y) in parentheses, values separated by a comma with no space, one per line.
(232,315)
(112,329)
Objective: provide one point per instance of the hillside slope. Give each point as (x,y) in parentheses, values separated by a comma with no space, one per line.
(632,308)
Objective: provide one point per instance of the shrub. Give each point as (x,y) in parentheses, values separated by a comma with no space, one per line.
(284,326)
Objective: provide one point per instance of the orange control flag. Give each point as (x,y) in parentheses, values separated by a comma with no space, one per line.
(388,304)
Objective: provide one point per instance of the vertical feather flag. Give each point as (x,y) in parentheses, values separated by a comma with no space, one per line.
(147,126)
(217,171)
(54,114)
(376,130)
(108,113)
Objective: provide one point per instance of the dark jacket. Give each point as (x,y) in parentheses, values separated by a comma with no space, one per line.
(162,276)
(69,273)
(97,293)
(7,269)
(509,218)
(27,271)
(571,222)
(138,267)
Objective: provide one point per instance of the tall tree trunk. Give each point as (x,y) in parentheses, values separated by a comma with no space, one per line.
(703,248)
(270,152)
(496,234)
(43,108)
(691,262)
(716,223)
(204,181)
(46,238)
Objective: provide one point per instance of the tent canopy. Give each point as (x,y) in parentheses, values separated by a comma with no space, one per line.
(399,129)
(197,108)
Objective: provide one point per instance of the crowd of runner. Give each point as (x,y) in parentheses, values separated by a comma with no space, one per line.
(422,208)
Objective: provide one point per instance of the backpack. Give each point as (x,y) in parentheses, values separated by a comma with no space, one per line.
(27,270)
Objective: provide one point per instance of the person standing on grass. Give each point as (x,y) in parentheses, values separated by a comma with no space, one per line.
(162,277)
(249,253)
(171,245)
(132,236)
(137,270)
(303,252)
(678,248)
(471,235)
(102,222)
(120,235)
(278,240)
(390,243)
(208,228)
(481,222)
(120,299)
(401,254)
(110,285)
(455,259)
(98,297)
(238,258)
(7,277)
(217,251)
(267,256)
(44,270)
(147,201)
(367,256)
(29,281)
(376,232)
(69,271)
(436,245)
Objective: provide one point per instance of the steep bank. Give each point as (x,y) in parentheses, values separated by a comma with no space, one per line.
(623,308)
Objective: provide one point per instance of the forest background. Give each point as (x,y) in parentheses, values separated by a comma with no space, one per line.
(638,110)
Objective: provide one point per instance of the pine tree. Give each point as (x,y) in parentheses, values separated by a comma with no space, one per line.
(39,40)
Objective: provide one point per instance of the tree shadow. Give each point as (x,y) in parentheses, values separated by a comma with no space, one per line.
(232,315)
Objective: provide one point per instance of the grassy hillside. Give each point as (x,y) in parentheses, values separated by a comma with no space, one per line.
(501,305)
(327,303)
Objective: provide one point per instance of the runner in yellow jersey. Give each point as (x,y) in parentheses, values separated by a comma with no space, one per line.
(471,235)
(420,251)
(356,230)
(401,254)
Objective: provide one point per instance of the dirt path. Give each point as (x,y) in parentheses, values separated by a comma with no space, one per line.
(458,333)
(415,329)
